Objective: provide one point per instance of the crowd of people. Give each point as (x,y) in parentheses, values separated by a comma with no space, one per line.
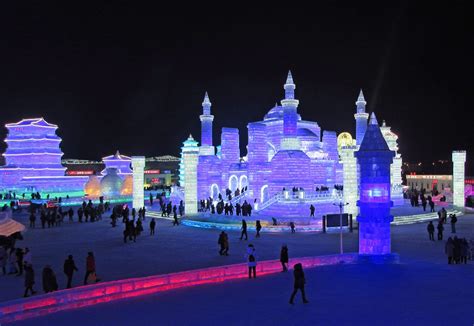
(419,198)
(18,262)
(458,250)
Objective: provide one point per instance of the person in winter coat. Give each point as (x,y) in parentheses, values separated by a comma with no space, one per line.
(244,230)
(226,244)
(284,257)
(299,284)
(454,219)
(90,266)
(29,280)
(258,227)
(3,259)
(251,261)
(440,228)
(50,283)
(431,230)
(449,249)
(221,243)
(152,226)
(69,268)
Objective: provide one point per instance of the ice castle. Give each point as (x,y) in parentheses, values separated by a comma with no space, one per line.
(284,152)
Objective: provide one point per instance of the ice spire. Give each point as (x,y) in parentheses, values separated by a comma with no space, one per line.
(289,86)
(361,99)
(206,105)
(373,119)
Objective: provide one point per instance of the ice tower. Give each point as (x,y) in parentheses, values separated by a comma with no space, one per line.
(374,158)
(361,118)
(206,127)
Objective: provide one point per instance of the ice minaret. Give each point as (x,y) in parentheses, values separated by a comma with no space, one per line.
(374,158)
(290,116)
(206,127)
(361,118)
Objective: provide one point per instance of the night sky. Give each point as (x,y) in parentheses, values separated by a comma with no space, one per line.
(118,76)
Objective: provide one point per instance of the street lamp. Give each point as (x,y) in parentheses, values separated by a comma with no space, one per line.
(341,205)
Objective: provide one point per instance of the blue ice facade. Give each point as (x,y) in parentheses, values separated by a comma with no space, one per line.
(374,158)
(283,151)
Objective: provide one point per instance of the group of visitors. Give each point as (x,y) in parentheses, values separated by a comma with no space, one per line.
(18,262)
(416,197)
(458,250)
(298,273)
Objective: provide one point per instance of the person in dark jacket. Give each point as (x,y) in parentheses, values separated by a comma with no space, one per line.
(69,268)
(221,243)
(152,226)
(431,230)
(258,227)
(284,258)
(29,280)
(454,219)
(299,284)
(50,283)
(90,266)
(440,228)
(244,230)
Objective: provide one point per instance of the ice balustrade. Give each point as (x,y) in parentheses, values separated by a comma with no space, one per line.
(89,295)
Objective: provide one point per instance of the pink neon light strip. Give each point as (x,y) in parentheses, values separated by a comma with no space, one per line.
(110,291)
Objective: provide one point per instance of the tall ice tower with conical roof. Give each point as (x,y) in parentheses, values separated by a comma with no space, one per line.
(374,158)
(290,116)
(361,118)
(206,128)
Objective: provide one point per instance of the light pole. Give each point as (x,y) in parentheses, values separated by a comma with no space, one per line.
(341,204)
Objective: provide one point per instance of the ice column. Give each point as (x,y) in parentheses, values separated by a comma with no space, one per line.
(459,158)
(138,165)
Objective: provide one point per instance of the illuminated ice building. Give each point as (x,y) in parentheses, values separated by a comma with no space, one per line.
(33,161)
(284,151)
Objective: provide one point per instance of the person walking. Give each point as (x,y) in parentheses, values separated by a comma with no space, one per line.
(221,243)
(175,219)
(449,250)
(244,230)
(32,220)
(90,266)
(292,226)
(3,259)
(431,230)
(454,219)
(152,226)
(258,227)
(440,228)
(29,280)
(226,244)
(50,283)
(251,261)
(299,283)
(284,257)
(69,268)
(311,209)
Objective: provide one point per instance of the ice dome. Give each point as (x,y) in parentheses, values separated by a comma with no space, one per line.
(92,187)
(111,183)
(127,187)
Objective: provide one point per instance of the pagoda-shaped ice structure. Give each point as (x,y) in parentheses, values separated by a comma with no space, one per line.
(33,160)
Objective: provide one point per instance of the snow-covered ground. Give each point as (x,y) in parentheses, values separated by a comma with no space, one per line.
(418,287)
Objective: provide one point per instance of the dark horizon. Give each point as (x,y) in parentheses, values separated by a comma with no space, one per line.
(122,77)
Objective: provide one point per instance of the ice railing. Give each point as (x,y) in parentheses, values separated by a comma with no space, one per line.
(302,196)
(83,296)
